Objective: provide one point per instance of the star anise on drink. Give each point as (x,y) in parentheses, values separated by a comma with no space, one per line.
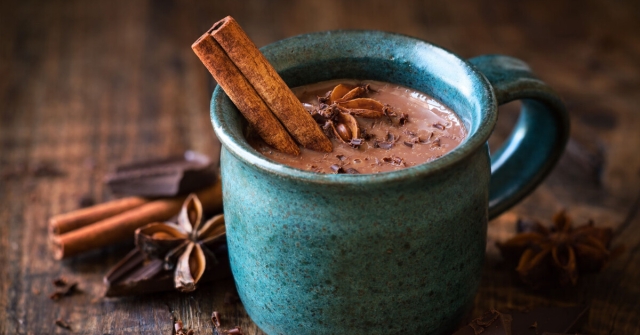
(185,246)
(341,105)
(559,254)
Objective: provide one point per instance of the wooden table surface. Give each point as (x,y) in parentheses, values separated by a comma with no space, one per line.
(85,85)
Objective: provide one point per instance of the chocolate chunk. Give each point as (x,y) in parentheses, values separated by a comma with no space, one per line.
(383,145)
(425,140)
(391,137)
(404,118)
(439,126)
(366,136)
(315,168)
(134,275)
(164,177)
(559,320)
(389,112)
(336,168)
(356,142)
(325,98)
(395,161)
(319,118)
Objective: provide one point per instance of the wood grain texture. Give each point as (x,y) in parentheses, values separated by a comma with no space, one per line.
(89,84)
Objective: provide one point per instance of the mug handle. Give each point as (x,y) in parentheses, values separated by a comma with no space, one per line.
(540,135)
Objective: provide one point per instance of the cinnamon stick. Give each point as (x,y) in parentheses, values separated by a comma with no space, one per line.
(268,84)
(121,227)
(66,222)
(243,95)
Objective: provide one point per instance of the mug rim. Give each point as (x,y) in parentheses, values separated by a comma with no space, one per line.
(221,107)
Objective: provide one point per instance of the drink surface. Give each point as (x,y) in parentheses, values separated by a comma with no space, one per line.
(414,129)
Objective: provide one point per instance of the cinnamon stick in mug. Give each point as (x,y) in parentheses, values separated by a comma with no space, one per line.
(243,95)
(269,85)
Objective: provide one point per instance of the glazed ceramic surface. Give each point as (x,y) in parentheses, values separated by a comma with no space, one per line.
(392,253)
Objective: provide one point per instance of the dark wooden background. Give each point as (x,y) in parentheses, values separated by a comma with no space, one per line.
(85,85)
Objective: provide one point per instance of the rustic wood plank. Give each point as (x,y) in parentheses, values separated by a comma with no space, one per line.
(87,85)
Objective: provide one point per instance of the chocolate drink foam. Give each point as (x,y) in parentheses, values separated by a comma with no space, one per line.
(415,129)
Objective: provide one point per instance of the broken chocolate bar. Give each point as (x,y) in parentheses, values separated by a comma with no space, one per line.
(559,320)
(167,177)
(134,275)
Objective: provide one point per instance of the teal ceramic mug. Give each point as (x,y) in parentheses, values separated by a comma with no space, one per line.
(393,253)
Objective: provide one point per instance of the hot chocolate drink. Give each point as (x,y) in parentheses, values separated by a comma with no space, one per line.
(374,127)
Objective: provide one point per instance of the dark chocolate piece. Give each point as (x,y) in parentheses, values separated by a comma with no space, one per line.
(134,275)
(425,140)
(391,137)
(560,320)
(336,168)
(356,142)
(404,118)
(352,171)
(164,177)
(439,126)
(383,145)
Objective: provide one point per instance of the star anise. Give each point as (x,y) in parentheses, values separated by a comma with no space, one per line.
(339,108)
(558,254)
(184,246)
